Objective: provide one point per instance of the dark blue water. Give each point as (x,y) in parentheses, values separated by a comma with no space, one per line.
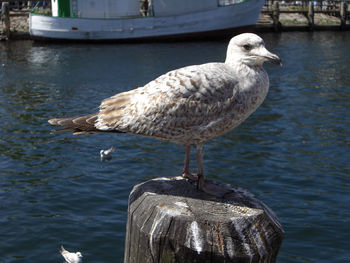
(293,153)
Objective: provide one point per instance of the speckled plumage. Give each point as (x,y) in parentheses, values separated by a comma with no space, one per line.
(190,105)
(187,106)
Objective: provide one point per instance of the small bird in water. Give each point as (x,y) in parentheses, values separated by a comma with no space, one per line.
(71,257)
(190,105)
(106,155)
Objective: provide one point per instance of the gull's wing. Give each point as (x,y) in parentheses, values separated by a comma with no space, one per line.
(173,103)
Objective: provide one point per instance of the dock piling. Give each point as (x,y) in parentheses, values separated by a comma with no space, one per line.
(343,14)
(5,19)
(276,16)
(311,15)
(169,220)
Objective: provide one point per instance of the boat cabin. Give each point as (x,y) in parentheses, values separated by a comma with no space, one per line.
(131,8)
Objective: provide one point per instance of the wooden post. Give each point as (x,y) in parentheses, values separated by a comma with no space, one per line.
(310,15)
(343,14)
(5,18)
(169,220)
(276,16)
(269,4)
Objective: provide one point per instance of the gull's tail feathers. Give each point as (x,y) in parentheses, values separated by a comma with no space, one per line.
(78,125)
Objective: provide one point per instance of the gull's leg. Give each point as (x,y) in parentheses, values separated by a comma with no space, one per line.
(186,173)
(201,186)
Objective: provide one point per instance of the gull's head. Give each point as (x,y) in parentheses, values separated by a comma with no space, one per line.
(250,50)
(79,255)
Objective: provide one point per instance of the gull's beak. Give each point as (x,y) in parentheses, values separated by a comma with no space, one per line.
(274,59)
(269,57)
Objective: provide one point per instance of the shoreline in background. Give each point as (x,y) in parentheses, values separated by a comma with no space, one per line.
(19,20)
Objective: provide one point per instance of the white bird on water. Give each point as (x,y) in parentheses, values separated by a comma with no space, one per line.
(190,105)
(106,155)
(71,257)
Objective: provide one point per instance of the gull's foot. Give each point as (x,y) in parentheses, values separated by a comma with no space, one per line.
(189,176)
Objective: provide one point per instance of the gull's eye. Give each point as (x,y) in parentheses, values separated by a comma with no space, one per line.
(247,47)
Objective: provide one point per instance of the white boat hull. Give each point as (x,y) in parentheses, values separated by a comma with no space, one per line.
(222,19)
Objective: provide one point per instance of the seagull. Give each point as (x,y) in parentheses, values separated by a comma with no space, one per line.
(190,105)
(71,257)
(106,155)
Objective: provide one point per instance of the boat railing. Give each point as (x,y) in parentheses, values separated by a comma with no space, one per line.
(230,2)
(35,8)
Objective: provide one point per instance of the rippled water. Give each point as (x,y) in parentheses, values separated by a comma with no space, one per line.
(293,153)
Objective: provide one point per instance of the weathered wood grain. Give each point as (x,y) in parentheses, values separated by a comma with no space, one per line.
(170,221)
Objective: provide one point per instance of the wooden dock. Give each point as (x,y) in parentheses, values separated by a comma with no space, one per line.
(14,20)
(309,16)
